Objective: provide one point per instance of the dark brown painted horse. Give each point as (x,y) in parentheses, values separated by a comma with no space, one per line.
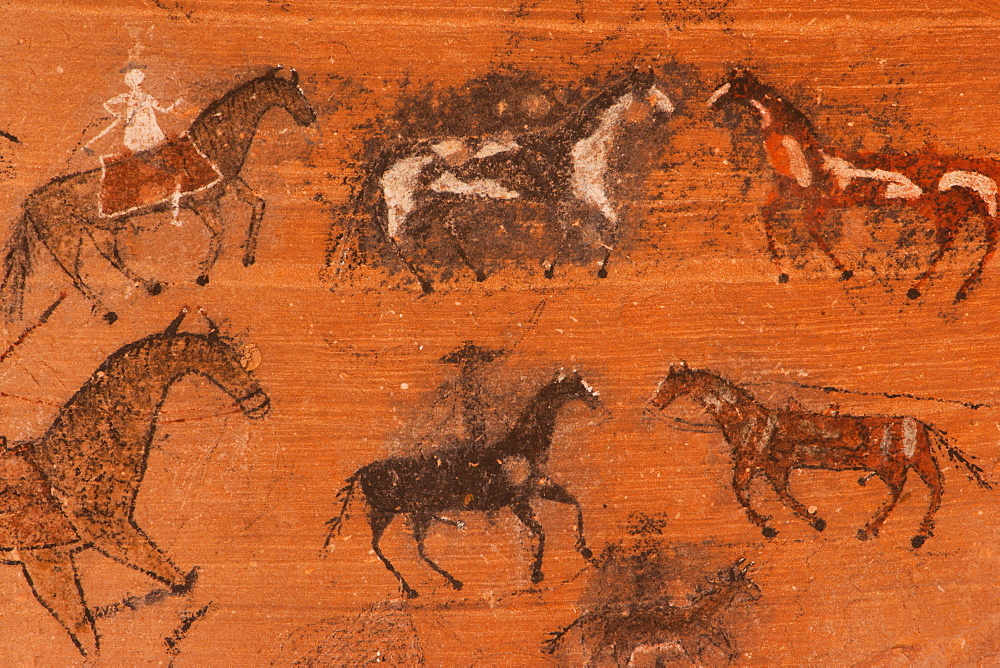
(83,475)
(506,474)
(66,210)
(946,189)
(773,441)
(566,165)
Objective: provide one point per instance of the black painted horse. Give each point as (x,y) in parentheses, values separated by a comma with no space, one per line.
(507,474)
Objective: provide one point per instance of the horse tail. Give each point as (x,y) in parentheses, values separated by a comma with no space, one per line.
(345,495)
(16,268)
(973,472)
(552,644)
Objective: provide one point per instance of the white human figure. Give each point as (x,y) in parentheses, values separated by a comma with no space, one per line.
(138,117)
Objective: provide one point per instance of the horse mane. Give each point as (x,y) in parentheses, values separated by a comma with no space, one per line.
(726,384)
(208,113)
(585,120)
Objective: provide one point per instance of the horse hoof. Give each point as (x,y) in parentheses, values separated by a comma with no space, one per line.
(862,482)
(586,553)
(410,593)
(862,535)
(602,273)
(782,277)
(457,585)
(154,289)
(550,272)
(917,541)
(480,276)
(249,260)
(960,295)
(913,293)
(110,317)
(819,525)
(846,275)
(189,582)
(769,532)
(426,287)
(537,577)
(202,280)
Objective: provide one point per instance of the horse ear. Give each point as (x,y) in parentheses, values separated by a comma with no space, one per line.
(172,327)
(273,72)
(295,77)
(213,329)
(684,365)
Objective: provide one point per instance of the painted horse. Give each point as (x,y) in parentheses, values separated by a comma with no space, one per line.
(507,474)
(565,166)
(193,172)
(75,487)
(946,189)
(773,441)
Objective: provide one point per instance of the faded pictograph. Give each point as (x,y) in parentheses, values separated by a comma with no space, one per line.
(75,487)
(135,113)
(650,602)
(509,472)
(775,441)
(507,168)
(193,171)
(951,191)
(383,633)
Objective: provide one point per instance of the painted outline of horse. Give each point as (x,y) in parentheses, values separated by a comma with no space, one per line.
(946,189)
(773,441)
(561,166)
(93,457)
(507,474)
(67,209)
(661,629)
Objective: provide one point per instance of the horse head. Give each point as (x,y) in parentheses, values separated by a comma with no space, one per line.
(288,95)
(215,356)
(735,579)
(573,386)
(740,86)
(674,384)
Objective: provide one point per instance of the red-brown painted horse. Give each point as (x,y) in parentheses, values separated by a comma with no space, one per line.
(773,441)
(947,189)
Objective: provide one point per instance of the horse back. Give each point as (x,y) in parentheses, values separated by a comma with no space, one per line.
(464,479)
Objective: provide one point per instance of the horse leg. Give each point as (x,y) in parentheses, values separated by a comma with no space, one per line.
(945,238)
(767,214)
(66,253)
(107,246)
(123,541)
(257,206)
(551,491)
(208,212)
(816,217)
(379,520)
(526,514)
(977,273)
(895,480)
(449,225)
(742,476)
(562,212)
(778,477)
(608,233)
(51,574)
(421,523)
(929,471)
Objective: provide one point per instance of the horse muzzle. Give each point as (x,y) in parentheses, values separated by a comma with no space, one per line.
(255,405)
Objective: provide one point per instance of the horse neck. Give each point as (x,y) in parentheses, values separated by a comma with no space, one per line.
(532,434)
(225,129)
(778,116)
(603,110)
(723,400)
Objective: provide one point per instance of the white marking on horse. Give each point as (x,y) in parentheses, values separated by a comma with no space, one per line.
(797,162)
(722,90)
(886,441)
(764,442)
(983,185)
(493,147)
(897,186)
(398,185)
(909,436)
(660,100)
(765,114)
(587,386)
(449,183)
(590,160)
(448,147)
